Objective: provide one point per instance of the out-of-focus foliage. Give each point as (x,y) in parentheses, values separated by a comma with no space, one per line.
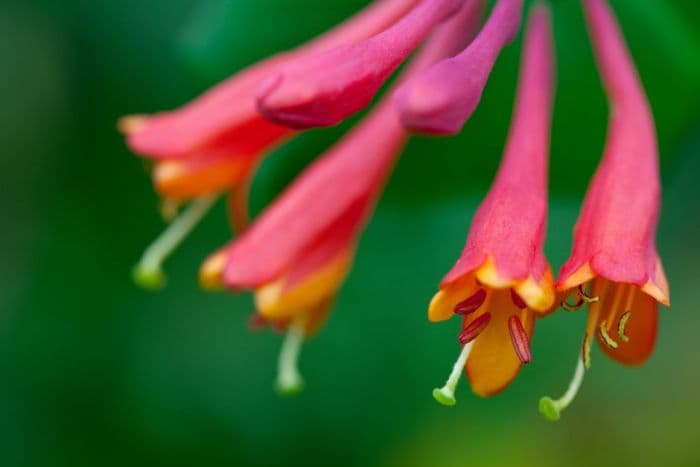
(97,372)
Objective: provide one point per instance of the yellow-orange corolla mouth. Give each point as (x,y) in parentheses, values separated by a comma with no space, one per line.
(537,294)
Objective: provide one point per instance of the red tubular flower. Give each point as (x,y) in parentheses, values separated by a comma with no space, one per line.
(214,142)
(323,90)
(442,98)
(211,143)
(296,255)
(502,277)
(614,246)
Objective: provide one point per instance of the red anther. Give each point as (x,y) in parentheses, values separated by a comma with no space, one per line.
(280,326)
(517,300)
(471,304)
(257,322)
(474,328)
(521,342)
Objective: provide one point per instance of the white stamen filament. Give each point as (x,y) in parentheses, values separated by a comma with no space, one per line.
(446,394)
(550,408)
(289,380)
(148,272)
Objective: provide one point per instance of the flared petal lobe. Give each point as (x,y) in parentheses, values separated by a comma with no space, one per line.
(323,90)
(182,179)
(614,237)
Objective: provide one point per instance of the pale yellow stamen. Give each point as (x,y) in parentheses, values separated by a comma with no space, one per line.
(131,123)
(586,351)
(585,296)
(599,289)
(622,324)
(573,306)
(621,290)
(609,341)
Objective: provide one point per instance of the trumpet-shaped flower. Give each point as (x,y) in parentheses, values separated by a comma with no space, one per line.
(614,267)
(298,252)
(502,279)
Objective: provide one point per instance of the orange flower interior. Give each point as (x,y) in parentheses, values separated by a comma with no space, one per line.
(189,178)
(498,323)
(623,319)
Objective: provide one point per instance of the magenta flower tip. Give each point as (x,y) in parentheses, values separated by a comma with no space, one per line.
(442,98)
(424,107)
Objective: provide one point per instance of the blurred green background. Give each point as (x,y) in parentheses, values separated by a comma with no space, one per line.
(95,372)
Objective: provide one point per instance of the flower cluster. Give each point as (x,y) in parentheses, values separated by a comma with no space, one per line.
(295,255)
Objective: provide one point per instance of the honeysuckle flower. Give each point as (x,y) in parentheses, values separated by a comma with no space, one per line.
(614,267)
(296,255)
(502,279)
(442,98)
(324,89)
(214,143)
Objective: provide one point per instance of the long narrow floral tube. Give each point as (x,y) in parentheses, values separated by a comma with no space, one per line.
(297,253)
(614,267)
(442,98)
(209,141)
(323,90)
(502,279)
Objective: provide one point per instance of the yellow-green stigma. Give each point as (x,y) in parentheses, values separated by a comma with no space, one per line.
(446,394)
(551,409)
(289,381)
